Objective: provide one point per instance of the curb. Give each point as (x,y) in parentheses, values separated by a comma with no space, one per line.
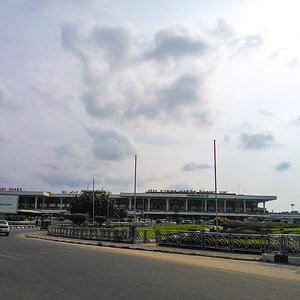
(143,249)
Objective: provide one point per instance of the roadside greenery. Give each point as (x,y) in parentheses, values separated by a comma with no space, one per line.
(103,206)
(78,218)
(250,227)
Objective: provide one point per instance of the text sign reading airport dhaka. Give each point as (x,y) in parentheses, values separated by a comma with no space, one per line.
(8,204)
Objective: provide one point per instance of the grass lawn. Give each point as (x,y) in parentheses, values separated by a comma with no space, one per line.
(187,227)
(182,227)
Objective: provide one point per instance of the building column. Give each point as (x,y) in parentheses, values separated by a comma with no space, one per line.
(36,203)
(130,204)
(264,206)
(186,205)
(167,204)
(60,203)
(245,207)
(149,204)
(43,207)
(205,205)
(225,208)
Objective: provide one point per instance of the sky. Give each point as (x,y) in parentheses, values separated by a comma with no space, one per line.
(86,85)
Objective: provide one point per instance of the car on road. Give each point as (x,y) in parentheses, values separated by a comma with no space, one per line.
(4,227)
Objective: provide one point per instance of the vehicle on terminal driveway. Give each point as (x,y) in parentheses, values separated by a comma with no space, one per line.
(45,221)
(4,227)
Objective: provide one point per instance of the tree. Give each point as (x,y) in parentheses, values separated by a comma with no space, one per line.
(77,218)
(104,206)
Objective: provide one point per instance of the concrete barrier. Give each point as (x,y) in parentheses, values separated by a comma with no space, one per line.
(268,257)
(294,260)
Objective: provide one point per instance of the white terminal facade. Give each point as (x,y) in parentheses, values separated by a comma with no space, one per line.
(152,204)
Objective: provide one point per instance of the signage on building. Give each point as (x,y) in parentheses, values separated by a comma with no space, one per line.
(8,204)
(197,195)
(11,189)
(69,193)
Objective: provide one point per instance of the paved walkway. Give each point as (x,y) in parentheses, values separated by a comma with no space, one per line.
(145,247)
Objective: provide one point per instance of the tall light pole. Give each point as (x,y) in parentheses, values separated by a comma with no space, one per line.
(216,196)
(108,210)
(134,195)
(292,205)
(93,202)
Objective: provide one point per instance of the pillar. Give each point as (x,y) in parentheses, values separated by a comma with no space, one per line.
(149,204)
(205,205)
(245,207)
(225,201)
(61,203)
(186,205)
(43,207)
(36,203)
(130,204)
(167,204)
(264,206)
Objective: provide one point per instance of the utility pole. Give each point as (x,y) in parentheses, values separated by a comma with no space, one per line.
(93,202)
(134,197)
(216,196)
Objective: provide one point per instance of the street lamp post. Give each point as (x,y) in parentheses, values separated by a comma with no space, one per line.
(93,202)
(134,195)
(292,205)
(108,211)
(216,196)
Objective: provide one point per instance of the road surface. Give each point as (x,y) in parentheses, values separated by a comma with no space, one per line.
(37,269)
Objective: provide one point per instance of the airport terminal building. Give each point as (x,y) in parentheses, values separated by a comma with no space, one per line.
(152,203)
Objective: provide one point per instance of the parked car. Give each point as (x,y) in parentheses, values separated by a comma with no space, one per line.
(4,227)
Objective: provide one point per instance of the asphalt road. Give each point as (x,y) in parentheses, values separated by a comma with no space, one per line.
(36,269)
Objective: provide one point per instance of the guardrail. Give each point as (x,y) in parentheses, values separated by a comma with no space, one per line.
(251,243)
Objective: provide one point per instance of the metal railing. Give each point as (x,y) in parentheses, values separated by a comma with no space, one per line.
(251,243)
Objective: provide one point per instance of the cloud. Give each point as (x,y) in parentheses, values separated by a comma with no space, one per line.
(115,43)
(256,141)
(274,54)
(239,45)
(52,95)
(183,91)
(293,63)
(5,98)
(192,166)
(250,42)
(60,179)
(157,140)
(283,166)
(115,62)
(180,187)
(226,138)
(5,137)
(266,113)
(110,145)
(222,30)
(175,43)
(296,122)
(243,45)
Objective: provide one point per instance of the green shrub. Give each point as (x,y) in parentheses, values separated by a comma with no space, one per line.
(100,219)
(78,218)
